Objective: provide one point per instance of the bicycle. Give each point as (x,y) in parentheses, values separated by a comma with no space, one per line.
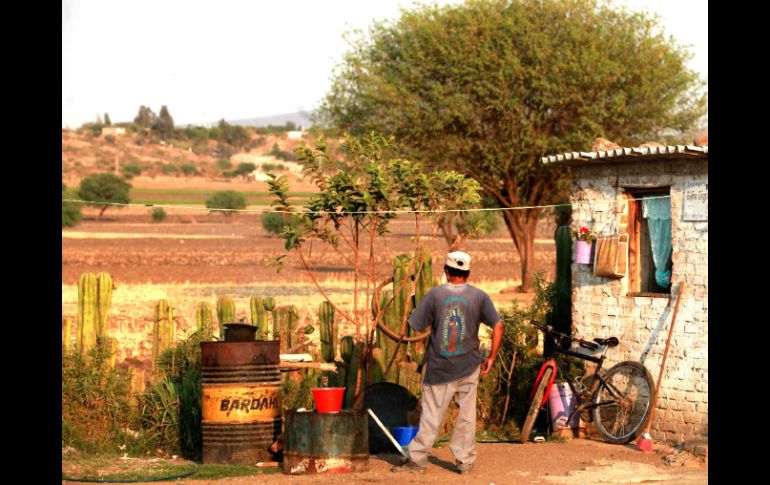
(618,401)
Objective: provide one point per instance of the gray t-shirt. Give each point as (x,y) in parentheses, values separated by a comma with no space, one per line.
(455,312)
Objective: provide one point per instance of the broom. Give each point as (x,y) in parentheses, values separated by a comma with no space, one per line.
(645,441)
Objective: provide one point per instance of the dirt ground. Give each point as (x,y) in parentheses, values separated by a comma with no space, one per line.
(578,461)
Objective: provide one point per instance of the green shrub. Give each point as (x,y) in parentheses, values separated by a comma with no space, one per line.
(169,168)
(110,139)
(189,169)
(227,199)
(158,214)
(96,408)
(131,170)
(224,164)
(71,212)
(244,168)
(274,222)
(273,167)
(171,411)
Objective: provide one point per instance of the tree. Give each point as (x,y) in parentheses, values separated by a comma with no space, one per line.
(356,199)
(489,86)
(104,187)
(71,214)
(145,119)
(107,121)
(235,136)
(227,199)
(164,124)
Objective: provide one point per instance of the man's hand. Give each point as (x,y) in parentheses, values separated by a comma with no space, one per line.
(486,366)
(497,338)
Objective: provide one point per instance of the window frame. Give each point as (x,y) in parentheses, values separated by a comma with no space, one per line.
(634,228)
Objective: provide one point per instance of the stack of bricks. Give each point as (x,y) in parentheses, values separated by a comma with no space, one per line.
(602,308)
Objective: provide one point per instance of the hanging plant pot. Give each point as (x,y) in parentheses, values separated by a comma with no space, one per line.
(583,252)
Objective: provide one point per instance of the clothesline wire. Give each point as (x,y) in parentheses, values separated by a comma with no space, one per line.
(399,211)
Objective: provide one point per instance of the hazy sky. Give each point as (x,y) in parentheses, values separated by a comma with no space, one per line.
(208,60)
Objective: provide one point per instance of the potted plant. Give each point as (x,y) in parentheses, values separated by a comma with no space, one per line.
(585,238)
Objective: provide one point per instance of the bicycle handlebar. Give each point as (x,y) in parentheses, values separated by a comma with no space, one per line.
(549,330)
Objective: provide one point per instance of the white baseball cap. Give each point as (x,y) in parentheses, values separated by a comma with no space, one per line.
(458,260)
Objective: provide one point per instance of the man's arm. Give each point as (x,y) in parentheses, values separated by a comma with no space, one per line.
(497,338)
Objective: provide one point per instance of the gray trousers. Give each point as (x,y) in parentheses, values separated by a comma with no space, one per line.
(435,402)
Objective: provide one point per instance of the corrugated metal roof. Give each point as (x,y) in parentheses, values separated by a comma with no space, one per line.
(626,154)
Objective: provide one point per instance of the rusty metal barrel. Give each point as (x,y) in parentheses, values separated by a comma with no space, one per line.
(240,400)
(325,442)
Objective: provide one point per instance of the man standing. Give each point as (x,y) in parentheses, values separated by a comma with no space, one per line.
(454,310)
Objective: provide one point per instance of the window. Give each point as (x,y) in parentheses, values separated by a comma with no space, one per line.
(649,242)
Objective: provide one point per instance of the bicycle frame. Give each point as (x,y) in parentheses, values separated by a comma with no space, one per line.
(557,367)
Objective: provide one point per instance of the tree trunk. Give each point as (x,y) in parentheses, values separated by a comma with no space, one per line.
(102,212)
(522,226)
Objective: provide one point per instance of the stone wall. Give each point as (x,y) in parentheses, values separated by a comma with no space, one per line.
(601,307)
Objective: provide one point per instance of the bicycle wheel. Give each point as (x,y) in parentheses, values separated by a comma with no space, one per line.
(534,407)
(627,396)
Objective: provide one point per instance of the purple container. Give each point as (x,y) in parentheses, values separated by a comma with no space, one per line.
(562,402)
(583,252)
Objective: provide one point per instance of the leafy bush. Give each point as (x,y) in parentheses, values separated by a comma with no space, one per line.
(273,167)
(169,168)
(227,199)
(171,410)
(224,164)
(296,395)
(71,213)
(96,410)
(244,168)
(158,214)
(189,169)
(131,170)
(274,222)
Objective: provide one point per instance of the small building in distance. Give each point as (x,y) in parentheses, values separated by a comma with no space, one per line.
(113,131)
(658,196)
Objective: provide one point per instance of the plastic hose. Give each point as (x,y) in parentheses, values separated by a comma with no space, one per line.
(142,480)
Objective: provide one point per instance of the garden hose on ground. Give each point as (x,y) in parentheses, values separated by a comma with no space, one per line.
(142,480)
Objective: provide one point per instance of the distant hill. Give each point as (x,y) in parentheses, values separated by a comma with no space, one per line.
(300,118)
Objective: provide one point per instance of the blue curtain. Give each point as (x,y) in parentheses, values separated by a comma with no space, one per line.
(658,215)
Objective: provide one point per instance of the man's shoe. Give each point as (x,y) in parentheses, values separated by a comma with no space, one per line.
(409,466)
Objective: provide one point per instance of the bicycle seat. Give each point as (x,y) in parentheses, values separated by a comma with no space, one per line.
(609,342)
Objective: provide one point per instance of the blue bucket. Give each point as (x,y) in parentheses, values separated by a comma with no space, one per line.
(404,434)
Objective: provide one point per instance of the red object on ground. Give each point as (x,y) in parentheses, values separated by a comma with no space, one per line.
(644,443)
(328,399)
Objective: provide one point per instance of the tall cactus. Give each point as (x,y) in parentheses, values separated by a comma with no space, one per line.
(328,331)
(351,353)
(259,317)
(66,335)
(424,279)
(390,318)
(560,316)
(225,313)
(163,330)
(104,300)
(424,275)
(205,321)
(88,313)
(269,304)
(286,318)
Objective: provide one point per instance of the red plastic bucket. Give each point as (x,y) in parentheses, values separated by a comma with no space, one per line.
(328,399)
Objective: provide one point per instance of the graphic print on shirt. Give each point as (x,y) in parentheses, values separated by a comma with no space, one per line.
(453,329)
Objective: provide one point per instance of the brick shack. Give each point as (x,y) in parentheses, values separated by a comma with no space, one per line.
(612,191)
